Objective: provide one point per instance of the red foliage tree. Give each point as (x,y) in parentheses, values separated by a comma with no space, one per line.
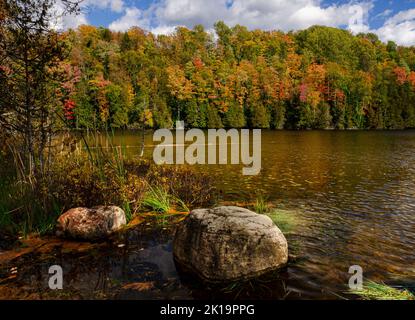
(400,74)
(69,110)
(411,79)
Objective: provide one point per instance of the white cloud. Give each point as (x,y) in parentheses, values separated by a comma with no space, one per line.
(384,14)
(165,15)
(189,12)
(163,30)
(133,17)
(399,28)
(294,14)
(66,21)
(359,21)
(113,5)
(74,21)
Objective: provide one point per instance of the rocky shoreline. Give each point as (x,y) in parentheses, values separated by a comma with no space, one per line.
(136,262)
(223,244)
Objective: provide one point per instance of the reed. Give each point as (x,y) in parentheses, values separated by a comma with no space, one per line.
(157,199)
(261,205)
(379,291)
(93,175)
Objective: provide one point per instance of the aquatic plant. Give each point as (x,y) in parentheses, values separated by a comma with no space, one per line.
(261,205)
(379,291)
(157,199)
(181,205)
(285,220)
(194,189)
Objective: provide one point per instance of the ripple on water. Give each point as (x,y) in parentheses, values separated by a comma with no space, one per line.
(353,194)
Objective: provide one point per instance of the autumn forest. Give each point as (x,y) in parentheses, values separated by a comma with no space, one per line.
(318,78)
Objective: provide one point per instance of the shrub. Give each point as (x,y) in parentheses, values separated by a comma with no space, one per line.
(80,179)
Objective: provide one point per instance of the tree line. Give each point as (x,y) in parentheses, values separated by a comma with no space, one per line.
(317,78)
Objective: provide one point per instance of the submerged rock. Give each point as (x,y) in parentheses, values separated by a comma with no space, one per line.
(91,224)
(229,243)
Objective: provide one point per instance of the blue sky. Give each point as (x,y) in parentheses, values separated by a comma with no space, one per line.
(390,19)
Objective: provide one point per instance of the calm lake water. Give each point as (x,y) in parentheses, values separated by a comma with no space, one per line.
(351,193)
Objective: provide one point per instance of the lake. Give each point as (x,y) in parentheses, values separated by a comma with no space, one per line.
(352,194)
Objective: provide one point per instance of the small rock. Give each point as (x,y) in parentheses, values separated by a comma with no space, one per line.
(229,243)
(91,224)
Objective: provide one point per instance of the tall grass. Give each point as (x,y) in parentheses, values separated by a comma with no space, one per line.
(22,212)
(379,291)
(157,199)
(181,205)
(113,157)
(261,205)
(31,204)
(91,176)
(6,221)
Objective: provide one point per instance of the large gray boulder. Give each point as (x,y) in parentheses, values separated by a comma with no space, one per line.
(229,243)
(91,224)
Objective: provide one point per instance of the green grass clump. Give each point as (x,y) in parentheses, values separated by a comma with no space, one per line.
(181,205)
(157,199)
(261,205)
(379,291)
(285,220)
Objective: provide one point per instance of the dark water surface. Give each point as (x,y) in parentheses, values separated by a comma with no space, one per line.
(352,194)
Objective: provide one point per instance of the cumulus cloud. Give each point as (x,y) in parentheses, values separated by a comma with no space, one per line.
(163,30)
(296,14)
(132,17)
(399,28)
(113,5)
(189,12)
(74,21)
(163,16)
(285,15)
(66,21)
